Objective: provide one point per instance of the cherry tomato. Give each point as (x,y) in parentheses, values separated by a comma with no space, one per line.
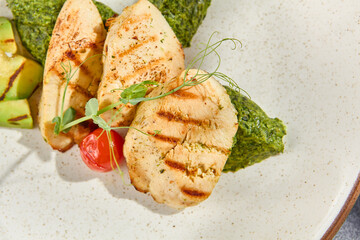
(95,150)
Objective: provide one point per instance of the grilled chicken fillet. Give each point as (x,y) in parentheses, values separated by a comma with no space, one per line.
(181,165)
(78,35)
(140,46)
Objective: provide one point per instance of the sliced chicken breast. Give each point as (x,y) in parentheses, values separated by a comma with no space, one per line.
(140,46)
(181,165)
(78,35)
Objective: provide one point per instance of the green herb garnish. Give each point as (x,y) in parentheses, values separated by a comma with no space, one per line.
(67,117)
(136,93)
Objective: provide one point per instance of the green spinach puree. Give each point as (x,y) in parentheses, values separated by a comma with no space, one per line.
(183,16)
(258,136)
(35,21)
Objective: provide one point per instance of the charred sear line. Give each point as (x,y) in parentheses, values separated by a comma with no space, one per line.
(165,138)
(11,81)
(175,165)
(77,88)
(136,46)
(74,86)
(70,55)
(194,193)
(179,118)
(19,118)
(58,74)
(143,69)
(183,94)
(80,112)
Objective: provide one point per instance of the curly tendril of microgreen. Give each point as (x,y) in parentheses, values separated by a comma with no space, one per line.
(136,93)
(69,115)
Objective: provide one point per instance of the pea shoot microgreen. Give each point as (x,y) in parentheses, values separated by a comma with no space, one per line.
(136,93)
(69,115)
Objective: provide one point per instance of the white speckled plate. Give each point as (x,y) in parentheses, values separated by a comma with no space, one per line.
(300,61)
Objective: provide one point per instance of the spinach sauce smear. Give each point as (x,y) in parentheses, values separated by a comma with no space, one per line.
(183,16)
(35,21)
(258,136)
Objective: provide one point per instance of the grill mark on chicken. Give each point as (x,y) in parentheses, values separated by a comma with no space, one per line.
(58,74)
(80,90)
(78,35)
(73,57)
(194,193)
(183,94)
(179,118)
(80,112)
(165,138)
(74,86)
(136,46)
(70,55)
(143,69)
(175,165)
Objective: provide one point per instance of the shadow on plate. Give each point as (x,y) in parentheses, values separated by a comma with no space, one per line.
(27,139)
(72,169)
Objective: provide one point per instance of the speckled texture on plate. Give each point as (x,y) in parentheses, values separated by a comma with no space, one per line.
(300,61)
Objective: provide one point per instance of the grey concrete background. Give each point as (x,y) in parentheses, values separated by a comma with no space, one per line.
(350,230)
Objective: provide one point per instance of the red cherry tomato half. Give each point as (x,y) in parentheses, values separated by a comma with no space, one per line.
(95,150)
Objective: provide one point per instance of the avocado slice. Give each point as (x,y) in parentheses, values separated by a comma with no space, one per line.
(7,39)
(19,76)
(16,114)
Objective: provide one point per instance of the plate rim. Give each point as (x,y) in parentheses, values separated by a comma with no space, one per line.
(344,211)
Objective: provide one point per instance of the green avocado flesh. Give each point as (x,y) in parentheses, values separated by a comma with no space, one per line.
(258,136)
(16,114)
(19,76)
(183,16)
(35,20)
(7,39)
